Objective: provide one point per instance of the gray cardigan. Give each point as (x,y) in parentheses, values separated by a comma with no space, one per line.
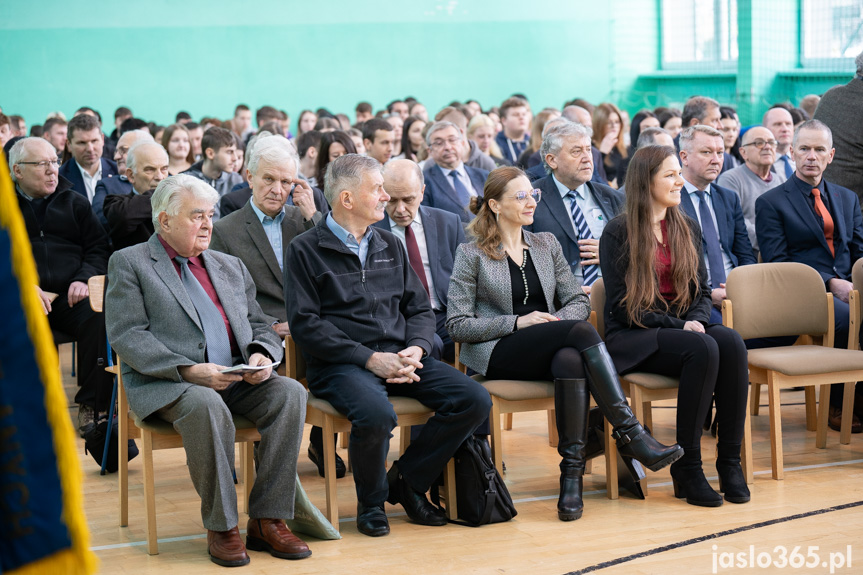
(480,313)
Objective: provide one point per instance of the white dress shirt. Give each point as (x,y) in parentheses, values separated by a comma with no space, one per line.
(91,181)
(419,234)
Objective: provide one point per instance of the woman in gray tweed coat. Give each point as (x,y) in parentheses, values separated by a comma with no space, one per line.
(520,314)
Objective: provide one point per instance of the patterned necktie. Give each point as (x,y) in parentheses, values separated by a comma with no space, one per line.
(218,345)
(711,238)
(589,273)
(822,211)
(414,256)
(460,189)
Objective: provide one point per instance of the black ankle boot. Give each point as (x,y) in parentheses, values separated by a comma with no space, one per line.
(632,439)
(571,403)
(731,479)
(689,482)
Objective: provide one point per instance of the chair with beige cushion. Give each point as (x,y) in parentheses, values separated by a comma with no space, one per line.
(156,434)
(781,299)
(644,388)
(322,414)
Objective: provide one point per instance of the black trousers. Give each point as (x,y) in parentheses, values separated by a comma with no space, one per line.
(88,329)
(460,405)
(708,364)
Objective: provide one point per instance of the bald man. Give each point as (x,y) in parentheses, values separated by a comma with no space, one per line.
(119,184)
(430,236)
(754,177)
(130,217)
(779,121)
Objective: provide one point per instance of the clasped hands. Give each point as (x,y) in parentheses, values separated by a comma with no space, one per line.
(397,367)
(207,374)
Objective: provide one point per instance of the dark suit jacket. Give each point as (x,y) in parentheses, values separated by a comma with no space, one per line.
(240,194)
(130,218)
(444,233)
(841,108)
(70,171)
(788,231)
(731,226)
(538,171)
(241,235)
(552,216)
(105,187)
(629,344)
(440,194)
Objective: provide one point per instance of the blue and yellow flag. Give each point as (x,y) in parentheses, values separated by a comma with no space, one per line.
(42,524)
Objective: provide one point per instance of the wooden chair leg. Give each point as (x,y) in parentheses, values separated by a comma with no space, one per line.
(552,428)
(755,403)
(247,454)
(811,415)
(343,439)
(404,438)
(330,474)
(611,470)
(496,435)
(149,493)
(847,414)
(777,457)
(648,416)
(449,490)
(507,421)
(746,455)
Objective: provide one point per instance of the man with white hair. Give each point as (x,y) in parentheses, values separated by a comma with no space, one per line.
(581,116)
(118,184)
(179,315)
(70,247)
(130,216)
(841,108)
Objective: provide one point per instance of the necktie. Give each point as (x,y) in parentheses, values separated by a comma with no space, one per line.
(218,345)
(460,190)
(822,211)
(788,169)
(711,238)
(414,256)
(591,272)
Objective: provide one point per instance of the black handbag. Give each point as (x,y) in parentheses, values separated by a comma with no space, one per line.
(94,444)
(481,494)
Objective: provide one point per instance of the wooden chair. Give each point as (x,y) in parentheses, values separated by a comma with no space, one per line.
(644,388)
(322,414)
(156,434)
(777,299)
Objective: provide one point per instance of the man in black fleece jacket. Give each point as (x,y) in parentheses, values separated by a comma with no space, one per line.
(364,323)
(69,246)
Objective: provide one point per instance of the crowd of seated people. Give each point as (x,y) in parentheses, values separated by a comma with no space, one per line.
(379,245)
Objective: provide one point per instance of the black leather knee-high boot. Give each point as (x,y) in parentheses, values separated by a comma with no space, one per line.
(632,439)
(571,404)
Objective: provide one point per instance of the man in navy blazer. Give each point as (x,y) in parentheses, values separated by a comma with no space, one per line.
(792,227)
(579,115)
(566,151)
(701,156)
(437,235)
(86,166)
(449,183)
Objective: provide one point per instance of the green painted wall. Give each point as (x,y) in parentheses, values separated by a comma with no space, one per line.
(158,56)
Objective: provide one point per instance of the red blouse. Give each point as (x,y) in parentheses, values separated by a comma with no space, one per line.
(663,265)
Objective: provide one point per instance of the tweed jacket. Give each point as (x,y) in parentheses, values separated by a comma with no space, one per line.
(480,312)
(153,325)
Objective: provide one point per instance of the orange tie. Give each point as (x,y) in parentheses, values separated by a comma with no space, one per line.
(822,211)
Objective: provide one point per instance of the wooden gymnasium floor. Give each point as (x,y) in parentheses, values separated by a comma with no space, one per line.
(818,507)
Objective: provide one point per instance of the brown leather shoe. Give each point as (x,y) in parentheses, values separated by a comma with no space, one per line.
(834,420)
(274,536)
(226,548)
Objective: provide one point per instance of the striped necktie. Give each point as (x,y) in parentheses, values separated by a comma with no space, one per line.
(589,273)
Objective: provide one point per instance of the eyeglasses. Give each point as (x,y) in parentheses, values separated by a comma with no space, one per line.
(761,143)
(442,143)
(43,164)
(523,196)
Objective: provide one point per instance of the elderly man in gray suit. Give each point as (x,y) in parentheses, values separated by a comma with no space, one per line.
(259,234)
(180,315)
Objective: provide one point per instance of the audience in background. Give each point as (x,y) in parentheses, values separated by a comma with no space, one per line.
(217,166)
(178,144)
(608,137)
(513,138)
(84,165)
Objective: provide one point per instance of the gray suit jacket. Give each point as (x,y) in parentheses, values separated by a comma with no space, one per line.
(241,234)
(480,296)
(153,325)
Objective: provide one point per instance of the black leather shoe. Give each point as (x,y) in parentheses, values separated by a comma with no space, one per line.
(372,521)
(416,505)
(732,482)
(318,459)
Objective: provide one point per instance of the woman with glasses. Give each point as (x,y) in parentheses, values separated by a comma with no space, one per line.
(657,313)
(520,314)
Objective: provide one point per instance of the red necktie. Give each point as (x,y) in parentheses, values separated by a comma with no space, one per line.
(416,259)
(822,211)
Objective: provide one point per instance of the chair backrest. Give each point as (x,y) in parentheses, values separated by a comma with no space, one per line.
(775,299)
(857,275)
(597,304)
(96,285)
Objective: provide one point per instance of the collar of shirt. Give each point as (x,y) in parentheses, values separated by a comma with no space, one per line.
(398,230)
(264,218)
(22,194)
(86,175)
(345,236)
(691,188)
(197,261)
(461,172)
(805,188)
(581,191)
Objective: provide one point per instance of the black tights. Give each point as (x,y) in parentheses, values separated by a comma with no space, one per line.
(544,351)
(707,364)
